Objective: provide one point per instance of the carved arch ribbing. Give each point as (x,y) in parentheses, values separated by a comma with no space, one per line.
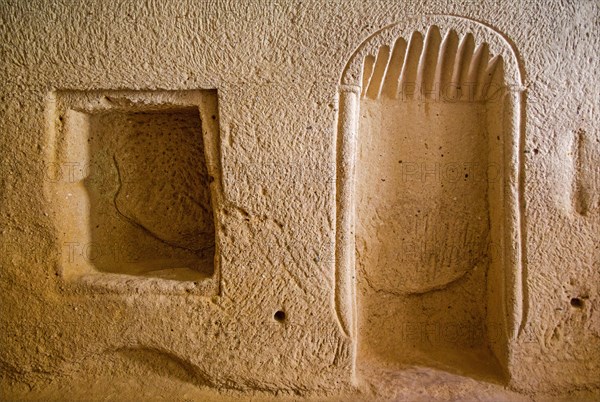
(450,52)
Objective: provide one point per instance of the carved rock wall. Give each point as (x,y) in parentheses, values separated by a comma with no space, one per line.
(267,313)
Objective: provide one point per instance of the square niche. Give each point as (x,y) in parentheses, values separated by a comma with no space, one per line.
(134,178)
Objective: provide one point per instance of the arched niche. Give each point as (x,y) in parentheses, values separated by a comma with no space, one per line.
(428,192)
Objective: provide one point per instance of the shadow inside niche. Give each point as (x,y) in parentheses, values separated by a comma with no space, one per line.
(148,188)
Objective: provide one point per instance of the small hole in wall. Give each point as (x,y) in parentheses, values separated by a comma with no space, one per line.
(279,316)
(576,302)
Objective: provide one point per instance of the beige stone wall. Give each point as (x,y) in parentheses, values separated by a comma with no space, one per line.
(276,68)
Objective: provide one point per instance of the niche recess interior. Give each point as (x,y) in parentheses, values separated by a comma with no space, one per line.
(428,187)
(135,179)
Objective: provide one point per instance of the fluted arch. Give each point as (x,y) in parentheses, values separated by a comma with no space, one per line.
(447,59)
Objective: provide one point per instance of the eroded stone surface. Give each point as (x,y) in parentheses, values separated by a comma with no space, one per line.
(277,69)
(162,175)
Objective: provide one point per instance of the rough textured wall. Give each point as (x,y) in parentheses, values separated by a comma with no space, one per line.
(276,67)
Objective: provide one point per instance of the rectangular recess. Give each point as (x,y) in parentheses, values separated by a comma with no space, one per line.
(134,179)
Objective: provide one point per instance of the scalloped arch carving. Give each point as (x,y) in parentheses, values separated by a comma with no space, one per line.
(419,102)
